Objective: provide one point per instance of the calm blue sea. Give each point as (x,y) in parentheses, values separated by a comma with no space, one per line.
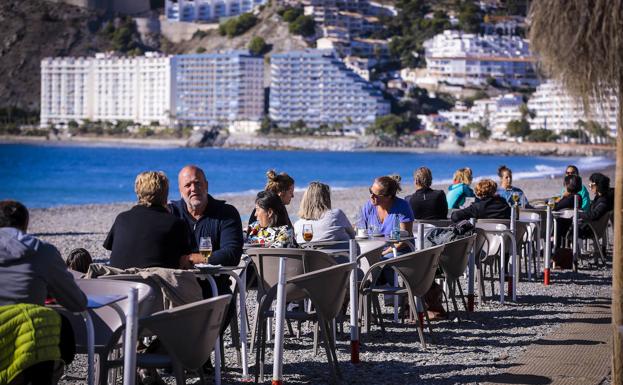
(46,176)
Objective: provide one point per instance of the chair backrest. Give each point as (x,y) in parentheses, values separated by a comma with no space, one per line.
(601,224)
(433,222)
(566,213)
(189,332)
(493,241)
(366,245)
(326,288)
(106,319)
(540,214)
(417,268)
(370,256)
(156,305)
(455,255)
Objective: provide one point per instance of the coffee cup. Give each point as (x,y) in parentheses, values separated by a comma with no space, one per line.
(362,233)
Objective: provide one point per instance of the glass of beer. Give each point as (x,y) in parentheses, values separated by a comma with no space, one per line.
(205,247)
(515,197)
(308,232)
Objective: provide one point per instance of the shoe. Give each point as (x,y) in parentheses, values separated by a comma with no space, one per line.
(150,377)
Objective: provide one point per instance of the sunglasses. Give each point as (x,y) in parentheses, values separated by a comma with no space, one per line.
(375,195)
(592,184)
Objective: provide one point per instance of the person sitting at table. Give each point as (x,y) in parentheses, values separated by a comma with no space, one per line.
(148,235)
(31,270)
(571,194)
(460,188)
(281,184)
(601,204)
(427,203)
(271,228)
(586,198)
(327,224)
(489,206)
(79,260)
(507,190)
(380,212)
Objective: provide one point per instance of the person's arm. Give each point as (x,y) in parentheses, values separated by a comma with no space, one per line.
(597,210)
(466,213)
(60,282)
(230,239)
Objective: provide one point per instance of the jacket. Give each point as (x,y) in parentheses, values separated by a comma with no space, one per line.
(221,222)
(494,207)
(599,206)
(29,334)
(30,269)
(457,194)
(428,204)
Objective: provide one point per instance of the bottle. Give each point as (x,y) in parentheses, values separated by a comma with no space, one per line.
(395,234)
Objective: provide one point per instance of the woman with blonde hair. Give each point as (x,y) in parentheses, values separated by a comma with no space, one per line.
(148,235)
(281,184)
(327,224)
(460,188)
(425,202)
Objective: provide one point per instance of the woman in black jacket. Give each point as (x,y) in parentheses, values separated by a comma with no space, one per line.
(490,206)
(573,185)
(427,203)
(601,204)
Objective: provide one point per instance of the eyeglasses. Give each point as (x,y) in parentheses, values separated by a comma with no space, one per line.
(570,173)
(592,184)
(375,195)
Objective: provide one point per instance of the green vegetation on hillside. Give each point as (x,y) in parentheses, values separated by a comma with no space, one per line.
(236,26)
(257,46)
(298,23)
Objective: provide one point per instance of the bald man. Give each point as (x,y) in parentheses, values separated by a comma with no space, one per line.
(208,217)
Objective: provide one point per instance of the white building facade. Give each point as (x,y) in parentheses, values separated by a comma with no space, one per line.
(457,58)
(315,87)
(105,87)
(556,110)
(207,10)
(210,89)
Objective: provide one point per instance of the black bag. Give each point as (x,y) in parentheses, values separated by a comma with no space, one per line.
(563,258)
(463,227)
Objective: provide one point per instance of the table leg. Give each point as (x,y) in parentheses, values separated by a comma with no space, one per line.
(502,268)
(279,324)
(90,347)
(354,312)
(217,345)
(129,345)
(471,279)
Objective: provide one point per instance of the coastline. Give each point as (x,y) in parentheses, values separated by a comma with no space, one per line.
(69,227)
(245,142)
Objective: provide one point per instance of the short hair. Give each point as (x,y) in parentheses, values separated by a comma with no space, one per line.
(503,169)
(79,260)
(316,200)
(423,177)
(573,183)
(601,181)
(269,200)
(485,188)
(13,214)
(390,185)
(575,169)
(278,183)
(152,188)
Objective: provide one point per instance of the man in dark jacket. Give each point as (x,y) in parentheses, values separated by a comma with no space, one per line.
(490,206)
(208,217)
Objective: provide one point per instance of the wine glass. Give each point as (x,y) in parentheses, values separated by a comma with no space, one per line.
(308,232)
(205,247)
(515,197)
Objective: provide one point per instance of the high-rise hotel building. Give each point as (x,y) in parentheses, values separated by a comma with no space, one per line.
(213,88)
(195,90)
(315,87)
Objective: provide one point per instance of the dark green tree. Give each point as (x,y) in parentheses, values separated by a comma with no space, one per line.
(303,25)
(518,128)
(257,46)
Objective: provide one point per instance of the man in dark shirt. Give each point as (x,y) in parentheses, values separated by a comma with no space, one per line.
(208,217)
(148,235)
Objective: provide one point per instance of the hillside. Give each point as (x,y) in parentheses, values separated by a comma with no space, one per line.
(35,29)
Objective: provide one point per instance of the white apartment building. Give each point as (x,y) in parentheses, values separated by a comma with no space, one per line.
(105,87)
(457,58)
(496,113)
(317,88)
(196,90)
(215,88)
(207,10)
(556,110)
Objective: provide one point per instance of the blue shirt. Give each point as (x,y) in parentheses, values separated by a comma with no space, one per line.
(400,208)
(507,195)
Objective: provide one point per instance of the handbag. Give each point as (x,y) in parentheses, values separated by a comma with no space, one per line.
(563,258)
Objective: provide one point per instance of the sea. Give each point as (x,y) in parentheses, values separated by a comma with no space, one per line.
(57,175)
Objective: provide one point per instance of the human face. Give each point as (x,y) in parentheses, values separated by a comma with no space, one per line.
(193,188)
(593,187)
(507,179)
(570,171)
(286,196)
(376,197)
(263,216)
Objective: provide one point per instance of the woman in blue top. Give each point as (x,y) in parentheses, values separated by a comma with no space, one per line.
(507,190)
(384,206)
(586,198)
(459,190)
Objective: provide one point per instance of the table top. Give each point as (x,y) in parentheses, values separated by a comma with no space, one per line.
(95,301)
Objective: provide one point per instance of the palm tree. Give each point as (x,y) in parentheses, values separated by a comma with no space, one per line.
(580,42)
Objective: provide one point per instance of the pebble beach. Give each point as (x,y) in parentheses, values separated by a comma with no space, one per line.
(468,352)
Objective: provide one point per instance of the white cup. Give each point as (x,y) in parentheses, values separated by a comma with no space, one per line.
(362,233)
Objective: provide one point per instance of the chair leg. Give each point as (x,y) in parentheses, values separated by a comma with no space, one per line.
(179,374)
(481,284)
(377,310)
(430,327)
(458,284)
(315,338)
(419,325)
(326,335)
(235,337)
(452,289)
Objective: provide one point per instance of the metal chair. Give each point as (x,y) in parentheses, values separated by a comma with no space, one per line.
(417,270)
(453,261)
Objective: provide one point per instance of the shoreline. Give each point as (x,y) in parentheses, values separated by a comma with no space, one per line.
(304,144)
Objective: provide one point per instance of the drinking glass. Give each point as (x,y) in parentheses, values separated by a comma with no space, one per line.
(205,247)
(308,232)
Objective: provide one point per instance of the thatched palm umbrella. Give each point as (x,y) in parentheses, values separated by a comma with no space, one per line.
(580,43)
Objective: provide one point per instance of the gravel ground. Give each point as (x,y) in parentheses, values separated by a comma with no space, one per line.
(464,353)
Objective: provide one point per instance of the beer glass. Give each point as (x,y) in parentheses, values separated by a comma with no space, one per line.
(205,247)
(308,232)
